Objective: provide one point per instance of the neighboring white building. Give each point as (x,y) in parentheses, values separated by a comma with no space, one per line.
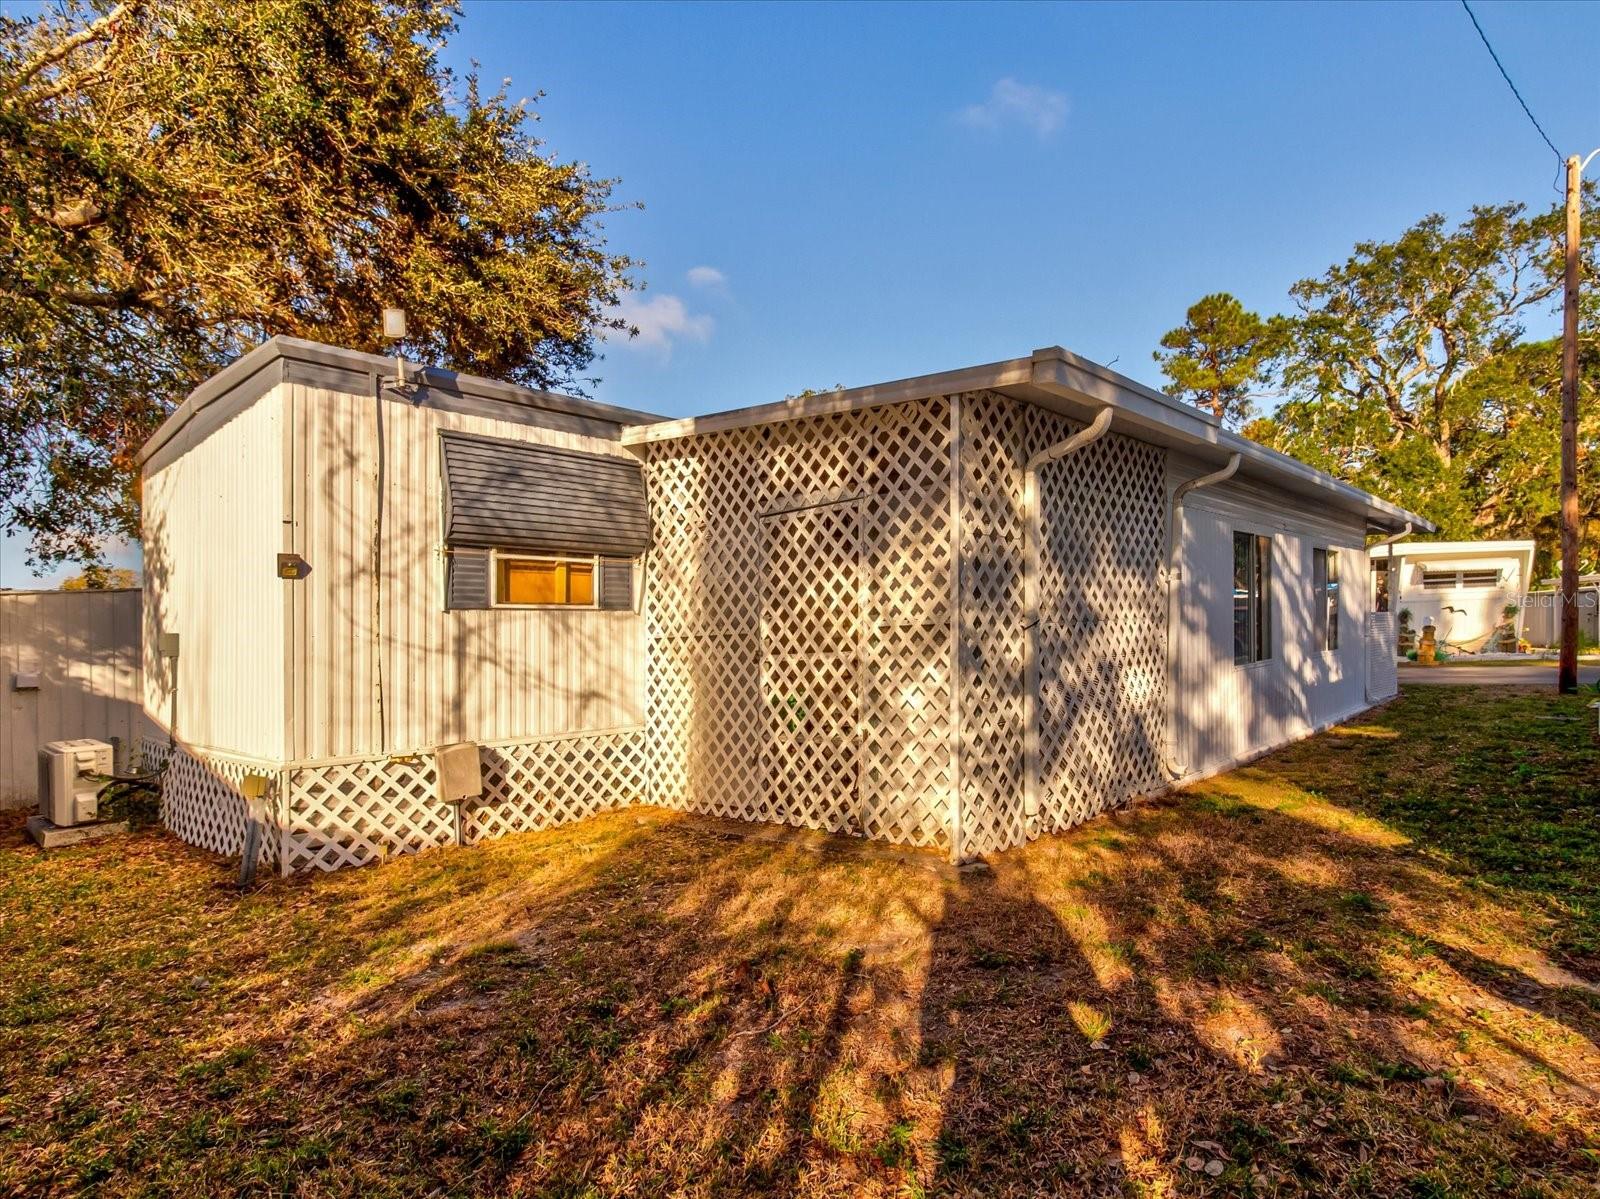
(955,611)
(1459,587)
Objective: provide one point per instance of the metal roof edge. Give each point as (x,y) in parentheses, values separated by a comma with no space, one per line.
(1418,549)
(1059,373)
(264,358)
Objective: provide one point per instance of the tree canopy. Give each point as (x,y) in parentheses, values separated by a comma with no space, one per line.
(1406,369)
(180,179)
(1222,356)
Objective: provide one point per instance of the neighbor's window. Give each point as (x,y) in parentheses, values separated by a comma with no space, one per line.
(524,581)
(1438,580)
(1480,578)
(1325,578)
(1252,597)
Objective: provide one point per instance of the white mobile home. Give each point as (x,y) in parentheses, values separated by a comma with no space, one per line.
(954,611)
(1460,587)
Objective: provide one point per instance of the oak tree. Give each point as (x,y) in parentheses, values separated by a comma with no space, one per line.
(180,179)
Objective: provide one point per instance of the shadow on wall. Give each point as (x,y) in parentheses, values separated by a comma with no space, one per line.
(1224,709)
(82,649)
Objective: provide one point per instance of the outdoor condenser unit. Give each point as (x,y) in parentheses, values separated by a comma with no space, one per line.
(69,788)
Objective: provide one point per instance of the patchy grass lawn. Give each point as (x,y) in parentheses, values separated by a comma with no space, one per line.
(1356,968)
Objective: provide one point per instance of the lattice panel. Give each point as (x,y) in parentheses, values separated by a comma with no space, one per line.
(1102,648)
(991,623)
(201,802)
(715,745)
(1383,679)
(1101,635)
(907,773)
(349,813)
(811,666)
(541,784)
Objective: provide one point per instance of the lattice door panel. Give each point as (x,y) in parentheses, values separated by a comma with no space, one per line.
(811,666)
(1102,624)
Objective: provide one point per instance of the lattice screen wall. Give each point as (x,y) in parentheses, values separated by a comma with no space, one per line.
(801,578)
(330,814)
(1382,636)
(201,801)
(1101,639)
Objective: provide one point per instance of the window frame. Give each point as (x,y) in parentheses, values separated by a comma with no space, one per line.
(592,561)
(1258,598)
(1327,581)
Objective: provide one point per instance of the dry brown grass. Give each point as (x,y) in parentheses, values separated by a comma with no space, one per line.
(1250,988)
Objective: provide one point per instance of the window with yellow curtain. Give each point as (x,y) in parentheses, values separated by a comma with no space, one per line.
(522,581)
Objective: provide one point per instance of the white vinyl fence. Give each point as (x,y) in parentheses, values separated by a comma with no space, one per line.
(69,667)
(1541,616)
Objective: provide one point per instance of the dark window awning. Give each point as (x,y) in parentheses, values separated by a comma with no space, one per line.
(512,495)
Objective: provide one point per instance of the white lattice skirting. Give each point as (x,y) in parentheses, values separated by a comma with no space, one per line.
(348,812)
(201,801)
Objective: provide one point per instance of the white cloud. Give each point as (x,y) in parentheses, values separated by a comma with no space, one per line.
(706,276)
(1013,103)
(662,321)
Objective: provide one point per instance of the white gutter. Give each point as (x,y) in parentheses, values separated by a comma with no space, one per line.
(1169,748)
(1030,591)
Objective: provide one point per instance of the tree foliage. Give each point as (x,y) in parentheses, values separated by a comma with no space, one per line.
(101,578)
(1406,370)
(1222,356)
(180,179)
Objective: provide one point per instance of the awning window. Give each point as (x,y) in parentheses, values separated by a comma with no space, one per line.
(538,499)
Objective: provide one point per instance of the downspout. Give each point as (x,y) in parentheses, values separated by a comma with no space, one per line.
(1378,545)
(1169,752)
(1366,689)
(1030,592)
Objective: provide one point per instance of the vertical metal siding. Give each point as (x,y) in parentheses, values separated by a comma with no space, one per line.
(212,527)
(447,675)
(84,646)
(1222,710)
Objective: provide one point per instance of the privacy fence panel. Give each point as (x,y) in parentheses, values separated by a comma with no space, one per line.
(69,666)
(1541,617)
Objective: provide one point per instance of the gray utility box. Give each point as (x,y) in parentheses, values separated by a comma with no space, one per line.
(459,771)
(68,791)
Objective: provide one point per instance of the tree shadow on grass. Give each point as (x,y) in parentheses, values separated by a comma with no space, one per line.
(1265,1012)
(653,1009)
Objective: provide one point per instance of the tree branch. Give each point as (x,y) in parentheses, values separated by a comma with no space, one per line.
(106,26)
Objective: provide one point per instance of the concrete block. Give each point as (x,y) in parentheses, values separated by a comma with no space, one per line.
(50,835)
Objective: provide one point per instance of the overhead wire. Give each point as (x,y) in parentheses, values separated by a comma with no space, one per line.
(1484,38)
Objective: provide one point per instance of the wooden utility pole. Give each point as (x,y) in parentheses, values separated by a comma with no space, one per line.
(1567,675)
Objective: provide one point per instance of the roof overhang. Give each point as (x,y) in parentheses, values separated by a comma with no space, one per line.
(1458,549)
(1058,380)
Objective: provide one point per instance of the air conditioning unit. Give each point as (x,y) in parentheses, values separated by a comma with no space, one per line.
(69,789)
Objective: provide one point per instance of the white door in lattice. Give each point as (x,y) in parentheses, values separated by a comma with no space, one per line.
(811,666)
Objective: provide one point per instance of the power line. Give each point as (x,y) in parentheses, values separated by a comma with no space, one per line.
(1483,37)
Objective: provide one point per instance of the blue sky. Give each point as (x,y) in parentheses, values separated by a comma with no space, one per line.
(854,193)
